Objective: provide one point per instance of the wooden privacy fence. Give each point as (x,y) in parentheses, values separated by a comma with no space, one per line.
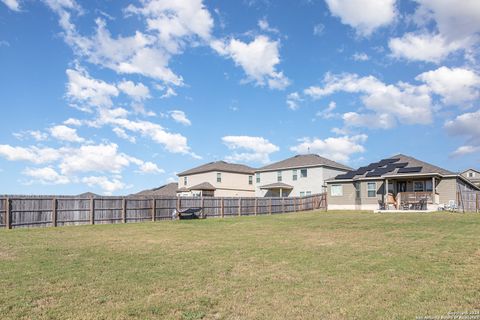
(31,211)
(469,201)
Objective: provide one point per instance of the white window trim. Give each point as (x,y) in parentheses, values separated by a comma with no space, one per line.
(375,189)
(340,194)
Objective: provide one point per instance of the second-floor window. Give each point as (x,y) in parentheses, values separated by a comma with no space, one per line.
(303,173)
(470,174)
(294,174)
(185,181)
(279,176)
(250,180)
(258,177)
(219,177)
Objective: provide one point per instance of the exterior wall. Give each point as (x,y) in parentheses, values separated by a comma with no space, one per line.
(447,190)
(348,200)
(314,182)
(232,185)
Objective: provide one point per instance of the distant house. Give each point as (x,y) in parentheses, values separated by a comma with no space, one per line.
(411,184)
(167,190)
(219,178)
(472,175)
(300,175)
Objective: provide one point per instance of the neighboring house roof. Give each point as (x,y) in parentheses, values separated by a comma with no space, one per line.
(169,189)
(398,165)
(219,166)
(302,161)
(183,189)
(277,185)
(203,186)
(88,195)
(471,169)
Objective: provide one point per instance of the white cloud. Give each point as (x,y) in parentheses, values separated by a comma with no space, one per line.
(360,56)
(318,29)
(35,134)
(464,150)
(327,113)
(65,133)
(467,125)
(363,15)
(82,88)
(257,149)
(180,117)
(407,103)
(258,59)
(457,86)
(109,185)
(12,4)
(335,148)
(124,135)
(265,26)
(423,47)
(293,101)
(372,120)
(137,92)
(31,154)
(150,168)
(46,175)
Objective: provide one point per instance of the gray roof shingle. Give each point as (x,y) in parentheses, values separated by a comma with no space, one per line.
(169,190)
(304,160)
(219,166)
(277,185)
(203,186)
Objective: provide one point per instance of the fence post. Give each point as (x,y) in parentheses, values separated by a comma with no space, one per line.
(54,212)
(239,206)
(154,209)
(92,210)
(283,205)
(255,208)
(8,214)
(476,202)
(270,206)
(222,208)
(124,210)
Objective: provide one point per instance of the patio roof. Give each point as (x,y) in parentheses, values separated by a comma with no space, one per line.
(277,185)
(203,186)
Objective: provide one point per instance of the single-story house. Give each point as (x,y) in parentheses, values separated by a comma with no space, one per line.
(412,184)
(219,179)
(300,175)
(167,190)
(472,175)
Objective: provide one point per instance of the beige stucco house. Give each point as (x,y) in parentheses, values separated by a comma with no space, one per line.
(219,179)
(300,175)
(412,184)
(472,175)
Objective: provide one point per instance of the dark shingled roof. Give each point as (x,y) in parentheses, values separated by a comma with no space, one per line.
(277,185)
(304,160)
(169,189)
(203,186)
(219,166)
(405,163)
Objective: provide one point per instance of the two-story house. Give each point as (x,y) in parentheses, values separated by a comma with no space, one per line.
(219,179)
(472,175)
(300,175)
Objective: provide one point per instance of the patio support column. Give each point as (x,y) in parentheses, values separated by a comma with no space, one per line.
(433,190)
(281,192)
(385,200)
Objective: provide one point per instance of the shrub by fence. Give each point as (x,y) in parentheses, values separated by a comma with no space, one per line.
(31,211)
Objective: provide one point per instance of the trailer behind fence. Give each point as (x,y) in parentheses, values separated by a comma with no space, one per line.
(46,211)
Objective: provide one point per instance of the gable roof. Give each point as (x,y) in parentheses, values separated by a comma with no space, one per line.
(277,185)
(397,163)
(471,169)
(169,189)
(219,166)
(203,186)
(304,160)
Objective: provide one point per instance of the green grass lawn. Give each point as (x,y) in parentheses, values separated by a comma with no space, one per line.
(313,265)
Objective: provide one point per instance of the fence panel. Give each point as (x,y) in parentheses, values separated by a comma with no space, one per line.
(26,212)
(73,211)
(469,201)
(108,210)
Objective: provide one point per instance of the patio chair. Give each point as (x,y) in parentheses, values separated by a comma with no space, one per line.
(404,205)
(391,201)
(451,206)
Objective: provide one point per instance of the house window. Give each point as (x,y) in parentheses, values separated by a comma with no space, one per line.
(294,174)
(302,194)
(279,176)
(336,190)
(358,193)
(418,186)
(250,180)
(303,173)
(308,193)
(258,177)
(470,174)
(185,181)
(390,187)
(372,189)
(219,177)
(428,185)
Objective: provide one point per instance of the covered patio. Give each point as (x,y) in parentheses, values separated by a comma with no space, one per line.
(278,189)
(410,193)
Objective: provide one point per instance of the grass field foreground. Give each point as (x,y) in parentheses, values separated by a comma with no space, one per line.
(339,265)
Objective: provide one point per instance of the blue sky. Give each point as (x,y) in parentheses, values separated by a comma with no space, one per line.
(115,97)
